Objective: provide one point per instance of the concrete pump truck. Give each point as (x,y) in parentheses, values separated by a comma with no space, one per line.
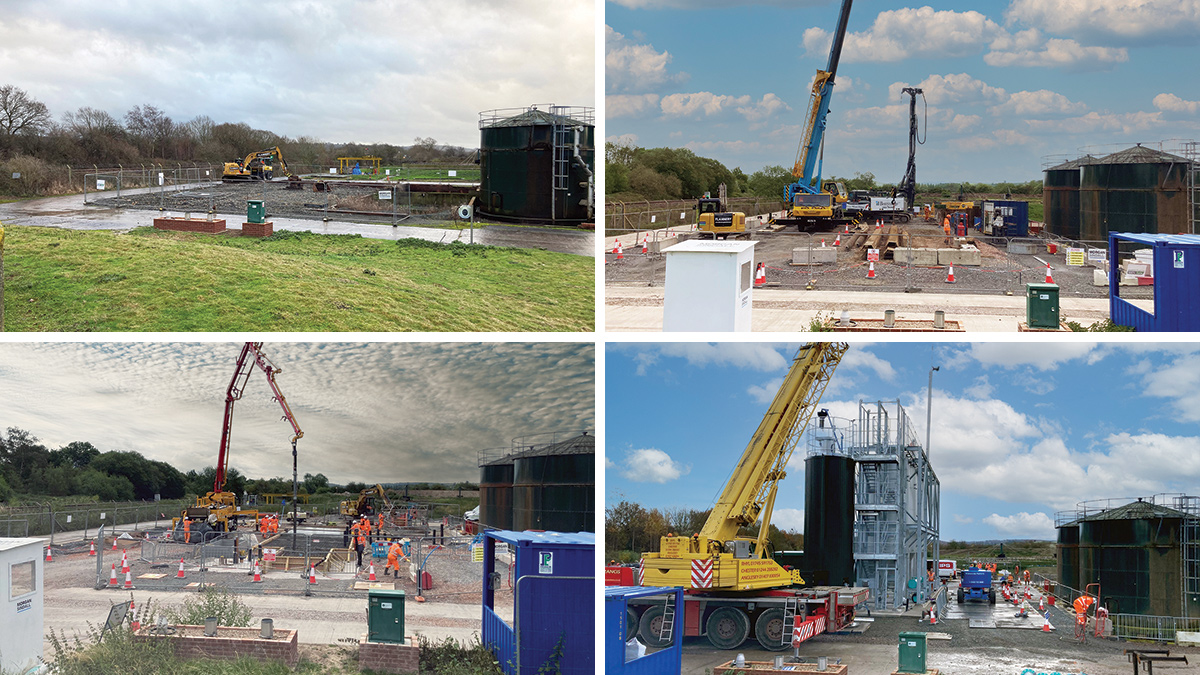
(733,586)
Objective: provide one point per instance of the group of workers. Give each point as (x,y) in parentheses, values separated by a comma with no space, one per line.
(268,524)
(360,533)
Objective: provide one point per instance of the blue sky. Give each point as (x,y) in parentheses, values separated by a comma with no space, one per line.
(1008,82)
(1020,430)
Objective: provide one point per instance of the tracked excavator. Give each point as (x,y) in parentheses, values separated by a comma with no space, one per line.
(734,588)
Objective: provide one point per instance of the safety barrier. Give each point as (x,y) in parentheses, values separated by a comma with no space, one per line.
(1155,628)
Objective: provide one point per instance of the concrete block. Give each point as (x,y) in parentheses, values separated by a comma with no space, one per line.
(1099,277)
(258,229)
(967,256)
(814,256)
(1187,639)
(918,257)
(1023,247)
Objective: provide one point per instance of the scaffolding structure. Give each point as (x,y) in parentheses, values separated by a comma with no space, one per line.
(1191,151)
(1189,543)
(897,498)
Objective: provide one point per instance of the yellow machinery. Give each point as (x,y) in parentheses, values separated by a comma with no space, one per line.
(737,563)
(256,166)
(712,217)
(365,504)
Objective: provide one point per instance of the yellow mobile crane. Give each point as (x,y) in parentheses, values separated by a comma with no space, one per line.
(732,580)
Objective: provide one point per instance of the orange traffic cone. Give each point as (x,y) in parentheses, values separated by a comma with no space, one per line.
(180,574)
(838,241)
(371,577)
(312,575)
(847,230)
(616,246)
(134,623)
(950,275)
(933,615)
(114,543)
(1042,604)
(124,565)
(128,580)
(620,254)
(92,551)
(112,581)
(1049,279)
(257,572)
(760,275)
(822,242)
(871,271)
(879,224)
(646,245)
(49,558)
(1046,627)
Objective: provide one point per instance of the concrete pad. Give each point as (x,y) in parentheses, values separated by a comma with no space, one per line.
(818,255)
(967,256)
(1023,247)
(1187,639)
(920,257)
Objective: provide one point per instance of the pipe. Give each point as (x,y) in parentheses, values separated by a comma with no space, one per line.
(591,179)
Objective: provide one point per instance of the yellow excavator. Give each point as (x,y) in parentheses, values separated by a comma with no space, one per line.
(366,503)
(732,581)
(256,166)
(713,216)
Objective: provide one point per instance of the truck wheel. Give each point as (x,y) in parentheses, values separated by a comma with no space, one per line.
(631,623)
(650,625)
(960,596)
(991,596)
(905,218)
(727,627)
(768,630)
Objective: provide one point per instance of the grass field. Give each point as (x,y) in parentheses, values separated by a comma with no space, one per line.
(151,280)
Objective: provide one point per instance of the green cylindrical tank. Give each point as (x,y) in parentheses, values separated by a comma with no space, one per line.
(496,494)
(1060,195)
(1068,555)
(1135,190)
(554,487)
(537,165)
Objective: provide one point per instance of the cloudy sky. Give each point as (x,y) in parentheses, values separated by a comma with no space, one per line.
(376,412)
(1020,430)
(368,71)
(1007,82)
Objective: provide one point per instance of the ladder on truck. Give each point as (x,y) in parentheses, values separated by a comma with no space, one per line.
(789,619)
(564,143)
(666,629)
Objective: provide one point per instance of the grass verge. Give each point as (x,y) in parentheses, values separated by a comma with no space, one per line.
(153,280)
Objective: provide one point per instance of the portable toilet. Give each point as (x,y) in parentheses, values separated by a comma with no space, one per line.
(552,578)
(21,589)
(1176,305)
(624,654)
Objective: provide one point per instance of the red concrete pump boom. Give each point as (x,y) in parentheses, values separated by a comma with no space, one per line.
(236,386)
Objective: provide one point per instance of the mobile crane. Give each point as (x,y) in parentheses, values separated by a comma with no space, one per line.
(813,203)
(218,510)
(732,582)
(256,166)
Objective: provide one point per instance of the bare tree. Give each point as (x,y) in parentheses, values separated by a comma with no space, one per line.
(87,121)
(20,114)
(151,127)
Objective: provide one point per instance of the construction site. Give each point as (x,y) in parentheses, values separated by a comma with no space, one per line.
(374,573)
(1119,235)
(1123,587)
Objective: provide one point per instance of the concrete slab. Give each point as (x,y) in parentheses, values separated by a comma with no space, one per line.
(919,257)
(818,255)
(967,256)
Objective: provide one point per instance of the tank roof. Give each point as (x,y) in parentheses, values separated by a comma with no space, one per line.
(1072,164)
(583,444)
(1139,154)
(1135,511)
(531,116)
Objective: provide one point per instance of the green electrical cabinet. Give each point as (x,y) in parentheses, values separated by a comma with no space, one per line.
(912,653)
(1041,305)
(256,211)
(385,616)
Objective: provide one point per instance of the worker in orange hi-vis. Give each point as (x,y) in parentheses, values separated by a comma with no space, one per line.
(946,228)
(1027,576)
(1082,603)
(187,531)
(380,530)
(354,527)
(360,543)
(393,562)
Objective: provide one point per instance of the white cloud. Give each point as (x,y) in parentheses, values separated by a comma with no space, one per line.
(1040,102)
(788,520)
(632,67)
(1095,123)
(1120,21)
(651,465)
(712,4)
(961,519)
(1059,52)
(1170,103)
(623,139)
(768,106)
(1022,525)
(765,393)
(1046,355)
(980,389)
(954,88)
(858,358)
(904,33)
(751,355)
(1178,381)
(730,147)
(629,105)
(682,105)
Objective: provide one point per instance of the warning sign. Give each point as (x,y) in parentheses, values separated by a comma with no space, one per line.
(872,255)
(1076,257)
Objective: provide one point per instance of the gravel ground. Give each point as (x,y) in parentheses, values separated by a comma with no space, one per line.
(1000,272)
(229,198)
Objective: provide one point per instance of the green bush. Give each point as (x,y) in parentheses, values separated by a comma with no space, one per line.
(449,657)
(212,601)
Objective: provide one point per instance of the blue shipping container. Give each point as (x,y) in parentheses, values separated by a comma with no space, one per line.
(1176,283)
(1016,218)
(666,661)
(554,623)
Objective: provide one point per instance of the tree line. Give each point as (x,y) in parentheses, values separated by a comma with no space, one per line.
(28,467)
(633,173)
(630,530)
(146,134)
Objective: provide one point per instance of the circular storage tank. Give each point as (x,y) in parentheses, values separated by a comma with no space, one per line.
(1060,195)
(1068,555)
(829,519)
(528,163)
(554,487)
(496,494)
(1134,190)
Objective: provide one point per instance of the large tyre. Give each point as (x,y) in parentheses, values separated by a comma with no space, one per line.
(991,596)
(960,596)
(768,630)
(650,625)
(727,627)
(631,623)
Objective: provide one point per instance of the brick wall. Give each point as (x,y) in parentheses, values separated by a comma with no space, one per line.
(190,225)
(258,229)
(388,658)
(229,644)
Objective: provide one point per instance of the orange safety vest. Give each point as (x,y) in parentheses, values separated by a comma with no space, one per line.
(1081,605)
(362,541)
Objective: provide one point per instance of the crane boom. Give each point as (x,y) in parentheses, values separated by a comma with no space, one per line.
(749,495)
(250,356)
(805,170)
